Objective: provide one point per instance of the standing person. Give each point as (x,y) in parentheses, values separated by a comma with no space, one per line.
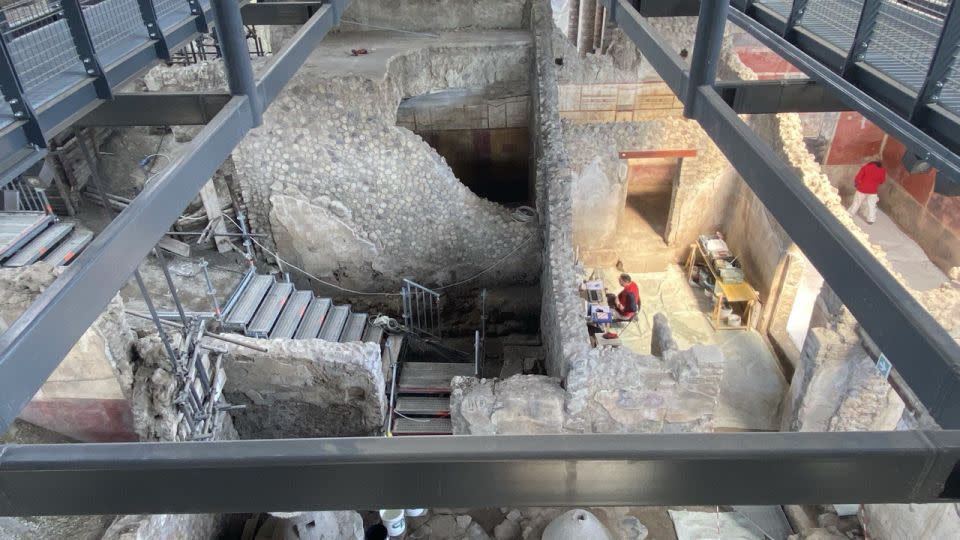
(867,181)
(627,303)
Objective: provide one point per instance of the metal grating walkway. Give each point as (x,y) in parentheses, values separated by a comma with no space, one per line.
(431,377)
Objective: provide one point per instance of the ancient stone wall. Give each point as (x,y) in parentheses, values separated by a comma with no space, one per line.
(345,193)
(606,391)
(562,328)
(305,388)
(435,15)
(87,396)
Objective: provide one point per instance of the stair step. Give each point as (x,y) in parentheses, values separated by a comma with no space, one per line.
(291,315)
(431,377)
(40,245)
(67,250)
(356,323)
(422,426)
(313,318)
(422,405)
(336,320)
(270,309)
(249,301)
(18,228)
(373,334)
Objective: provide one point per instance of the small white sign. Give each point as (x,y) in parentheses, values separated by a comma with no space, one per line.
(884,366)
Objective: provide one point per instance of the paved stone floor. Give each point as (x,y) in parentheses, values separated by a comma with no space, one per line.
(753,385)
(907,257)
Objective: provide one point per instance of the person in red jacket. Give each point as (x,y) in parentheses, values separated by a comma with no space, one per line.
(627,303)
(867,181)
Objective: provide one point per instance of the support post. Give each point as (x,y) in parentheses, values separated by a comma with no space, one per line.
(943,58)
(797,10)
(585,31)
(236,58)
(706,50)
(861,40)
(197,11)
(149,16)
(173,288)
(573,20)
(85,48)
(14,95)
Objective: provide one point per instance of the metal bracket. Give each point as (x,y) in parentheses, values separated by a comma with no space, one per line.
(81,40)
(861,40)
(797,10)
(197,11)
(149,15)
(943,58)
(13,94)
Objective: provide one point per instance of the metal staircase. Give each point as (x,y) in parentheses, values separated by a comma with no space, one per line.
(28,237)
(265,308)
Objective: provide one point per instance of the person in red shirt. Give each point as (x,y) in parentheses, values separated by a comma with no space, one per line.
(627,303)
(867,182)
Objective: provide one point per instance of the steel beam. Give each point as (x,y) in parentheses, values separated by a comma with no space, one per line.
(82,41)
(675,8)
(479,471)
(706,49)
(940,65)
(232,37)
(156,109)
(922,351)
(772,97)
(797,9)
(861,39)
(36,343)
(279,13)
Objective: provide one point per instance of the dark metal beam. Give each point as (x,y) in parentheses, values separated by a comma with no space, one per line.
(156,109)
(940,65)
(84,44)
(668,63)
(36,343)
(923,352)
(772,97)
(674,8)
(479,471)
(232,37)
(279,13)
(861,39)
(797,9)
(706,49)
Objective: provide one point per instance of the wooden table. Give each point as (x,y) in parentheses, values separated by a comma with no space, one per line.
(731,292)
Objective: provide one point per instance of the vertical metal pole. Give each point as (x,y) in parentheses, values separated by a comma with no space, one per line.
(210,290)
(173,289)
(861,40)
(236,57)
(85,48)
(706,50)
(943,58)
(797,10)
(14,95)
(156,319)
(149,16)
(197,10)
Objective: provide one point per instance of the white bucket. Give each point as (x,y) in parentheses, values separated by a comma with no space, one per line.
(394,522)
(733,320)
(415,512)
(726,312)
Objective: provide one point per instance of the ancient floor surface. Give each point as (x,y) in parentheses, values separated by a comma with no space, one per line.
(753,385)
(906,255)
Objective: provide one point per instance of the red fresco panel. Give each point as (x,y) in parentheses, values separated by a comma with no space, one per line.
(855,140)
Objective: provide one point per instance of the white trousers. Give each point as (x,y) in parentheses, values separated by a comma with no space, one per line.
(871,199)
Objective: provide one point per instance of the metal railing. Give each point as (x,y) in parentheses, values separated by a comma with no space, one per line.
(421,309)
(29,198)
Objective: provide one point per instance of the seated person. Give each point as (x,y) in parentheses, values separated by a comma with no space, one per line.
(627,303)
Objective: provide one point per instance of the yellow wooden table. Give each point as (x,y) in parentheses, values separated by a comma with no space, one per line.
(733,293)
